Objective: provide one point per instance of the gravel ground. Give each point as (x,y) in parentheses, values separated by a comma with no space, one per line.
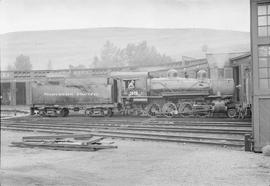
(11,112)
(135,163)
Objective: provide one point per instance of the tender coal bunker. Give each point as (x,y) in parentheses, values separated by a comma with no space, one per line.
(20,94)
(5,94)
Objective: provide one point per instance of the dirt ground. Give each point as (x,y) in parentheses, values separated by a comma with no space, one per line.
(13,111)
(135,163)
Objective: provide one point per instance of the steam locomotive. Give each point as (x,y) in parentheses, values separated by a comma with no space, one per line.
(135,93)
(175,95)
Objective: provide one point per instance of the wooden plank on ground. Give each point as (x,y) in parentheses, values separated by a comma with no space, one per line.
(62,146)
(95,140)
(75,136)
(90,140)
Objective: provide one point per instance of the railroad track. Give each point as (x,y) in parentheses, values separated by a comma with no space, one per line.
(158,122)
(136,128)
(214,132)
(146,121)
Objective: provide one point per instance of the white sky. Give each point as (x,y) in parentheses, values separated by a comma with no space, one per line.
(21,15)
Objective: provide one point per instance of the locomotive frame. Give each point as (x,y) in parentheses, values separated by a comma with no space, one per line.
(142,100)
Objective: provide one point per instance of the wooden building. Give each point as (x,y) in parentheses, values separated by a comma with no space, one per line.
(220,66)
(242,79)
(260,53)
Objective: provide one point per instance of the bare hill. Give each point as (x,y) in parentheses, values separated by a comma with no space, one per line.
(65,47)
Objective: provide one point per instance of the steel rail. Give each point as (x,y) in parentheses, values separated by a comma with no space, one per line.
(133,127)
(136,123)
(175,136)
(139,137)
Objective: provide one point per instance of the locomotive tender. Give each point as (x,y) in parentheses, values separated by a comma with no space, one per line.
(134,93)
(59,96)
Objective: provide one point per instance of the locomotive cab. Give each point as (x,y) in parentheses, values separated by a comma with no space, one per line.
(132,89)
(131,84)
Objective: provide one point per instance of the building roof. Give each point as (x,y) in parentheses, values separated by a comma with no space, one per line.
(128,74)
(98,71)
(241,59)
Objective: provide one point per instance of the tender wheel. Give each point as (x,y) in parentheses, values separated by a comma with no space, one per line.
(169,109)
(154,109)
(231,113)
(42,113)
(89,112)
(64,112)
(109,112)
(35,112)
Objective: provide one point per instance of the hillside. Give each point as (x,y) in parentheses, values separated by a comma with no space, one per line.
(73,47)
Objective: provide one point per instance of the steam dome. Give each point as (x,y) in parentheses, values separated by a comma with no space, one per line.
(172,73)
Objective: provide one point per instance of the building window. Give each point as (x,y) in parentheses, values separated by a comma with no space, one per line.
(228,73)
(54,82)
(221,73)
(264,20)
(264,66)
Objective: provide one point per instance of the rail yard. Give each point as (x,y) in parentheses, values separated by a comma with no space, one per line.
(213,131)
(196,114)
(128,122)
(151,151)
(132,123)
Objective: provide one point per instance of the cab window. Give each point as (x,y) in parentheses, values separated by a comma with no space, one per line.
(129,84)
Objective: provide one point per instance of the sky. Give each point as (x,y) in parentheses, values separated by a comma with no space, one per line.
(25,15)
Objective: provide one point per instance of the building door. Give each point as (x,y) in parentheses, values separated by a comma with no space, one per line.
(5,94)
(115,91)
(264,107)
(237,82)
(20,93)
